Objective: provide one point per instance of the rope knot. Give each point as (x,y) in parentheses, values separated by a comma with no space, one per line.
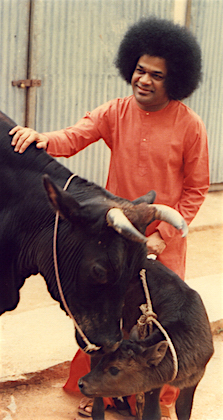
(148,313)
(146,319)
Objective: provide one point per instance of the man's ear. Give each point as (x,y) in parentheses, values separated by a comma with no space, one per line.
(155,354)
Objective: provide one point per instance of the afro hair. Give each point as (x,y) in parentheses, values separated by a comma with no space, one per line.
(162,38)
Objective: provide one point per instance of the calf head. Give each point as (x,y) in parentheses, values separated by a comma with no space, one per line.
(132,368)
(101,246)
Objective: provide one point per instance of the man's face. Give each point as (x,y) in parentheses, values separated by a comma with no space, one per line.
(148,83)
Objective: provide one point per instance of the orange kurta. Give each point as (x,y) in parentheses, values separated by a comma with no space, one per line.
(165,151)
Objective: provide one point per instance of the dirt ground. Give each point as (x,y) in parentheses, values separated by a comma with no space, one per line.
(40,396)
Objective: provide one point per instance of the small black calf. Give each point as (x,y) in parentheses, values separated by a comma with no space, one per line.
(146,365)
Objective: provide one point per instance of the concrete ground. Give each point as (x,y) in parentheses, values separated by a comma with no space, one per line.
(38,338)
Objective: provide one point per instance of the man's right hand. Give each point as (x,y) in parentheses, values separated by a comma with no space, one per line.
(23,137)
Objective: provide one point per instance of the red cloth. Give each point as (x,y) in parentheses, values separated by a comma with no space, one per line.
(80,366)
(164,150)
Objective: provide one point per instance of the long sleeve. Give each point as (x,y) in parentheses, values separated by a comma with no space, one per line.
(89,129)
(196,179)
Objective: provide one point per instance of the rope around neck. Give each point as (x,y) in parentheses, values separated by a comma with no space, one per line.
(149,317)
(89,346)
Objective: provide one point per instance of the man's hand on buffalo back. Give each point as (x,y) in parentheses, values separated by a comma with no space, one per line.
(24,136)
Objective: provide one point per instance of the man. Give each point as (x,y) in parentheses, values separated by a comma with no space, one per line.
(156,141)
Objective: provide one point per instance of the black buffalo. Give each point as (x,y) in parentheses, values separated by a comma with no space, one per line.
(97,253)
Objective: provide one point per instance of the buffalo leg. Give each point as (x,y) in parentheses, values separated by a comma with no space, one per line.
(184,403)
(98,409)
(152,407)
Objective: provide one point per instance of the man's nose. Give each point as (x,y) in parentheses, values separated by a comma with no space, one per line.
(146,79)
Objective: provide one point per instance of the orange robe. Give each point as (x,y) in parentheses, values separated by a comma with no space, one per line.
(166,151)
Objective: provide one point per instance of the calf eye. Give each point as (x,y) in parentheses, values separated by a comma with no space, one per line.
(114,370)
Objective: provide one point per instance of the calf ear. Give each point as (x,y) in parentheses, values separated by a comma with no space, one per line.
(155,354)
(61,200)
(134,333)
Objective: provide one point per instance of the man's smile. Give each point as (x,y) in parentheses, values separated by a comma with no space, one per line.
(143,90)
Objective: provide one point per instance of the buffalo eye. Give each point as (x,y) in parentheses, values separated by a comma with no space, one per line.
(114,370)
(99,273)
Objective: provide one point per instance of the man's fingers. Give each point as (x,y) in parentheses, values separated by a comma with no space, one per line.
(16,133)
(18,137)
(23,142)
(14,129)
(22,138)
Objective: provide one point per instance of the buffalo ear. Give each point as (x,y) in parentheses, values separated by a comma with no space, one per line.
(154,355)
(61,200)
(148,198)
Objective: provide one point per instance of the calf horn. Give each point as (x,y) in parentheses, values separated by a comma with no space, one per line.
(117,219)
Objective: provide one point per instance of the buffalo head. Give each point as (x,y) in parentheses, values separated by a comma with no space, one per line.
(101,246)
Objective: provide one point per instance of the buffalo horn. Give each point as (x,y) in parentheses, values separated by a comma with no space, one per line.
(116,218)
(171,216)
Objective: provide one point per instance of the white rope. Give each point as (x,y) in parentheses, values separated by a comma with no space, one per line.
(89,346)
(149,316)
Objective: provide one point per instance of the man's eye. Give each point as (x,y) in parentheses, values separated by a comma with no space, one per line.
(140,71)
(114,370)
(157,77)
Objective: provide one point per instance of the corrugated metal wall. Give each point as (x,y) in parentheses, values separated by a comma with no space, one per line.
(14,30)
(73,45)
(207,101)
(76,65)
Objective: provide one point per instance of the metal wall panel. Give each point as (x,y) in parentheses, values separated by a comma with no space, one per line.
(75,42)
(73,45)
(14,24)
(207,101)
